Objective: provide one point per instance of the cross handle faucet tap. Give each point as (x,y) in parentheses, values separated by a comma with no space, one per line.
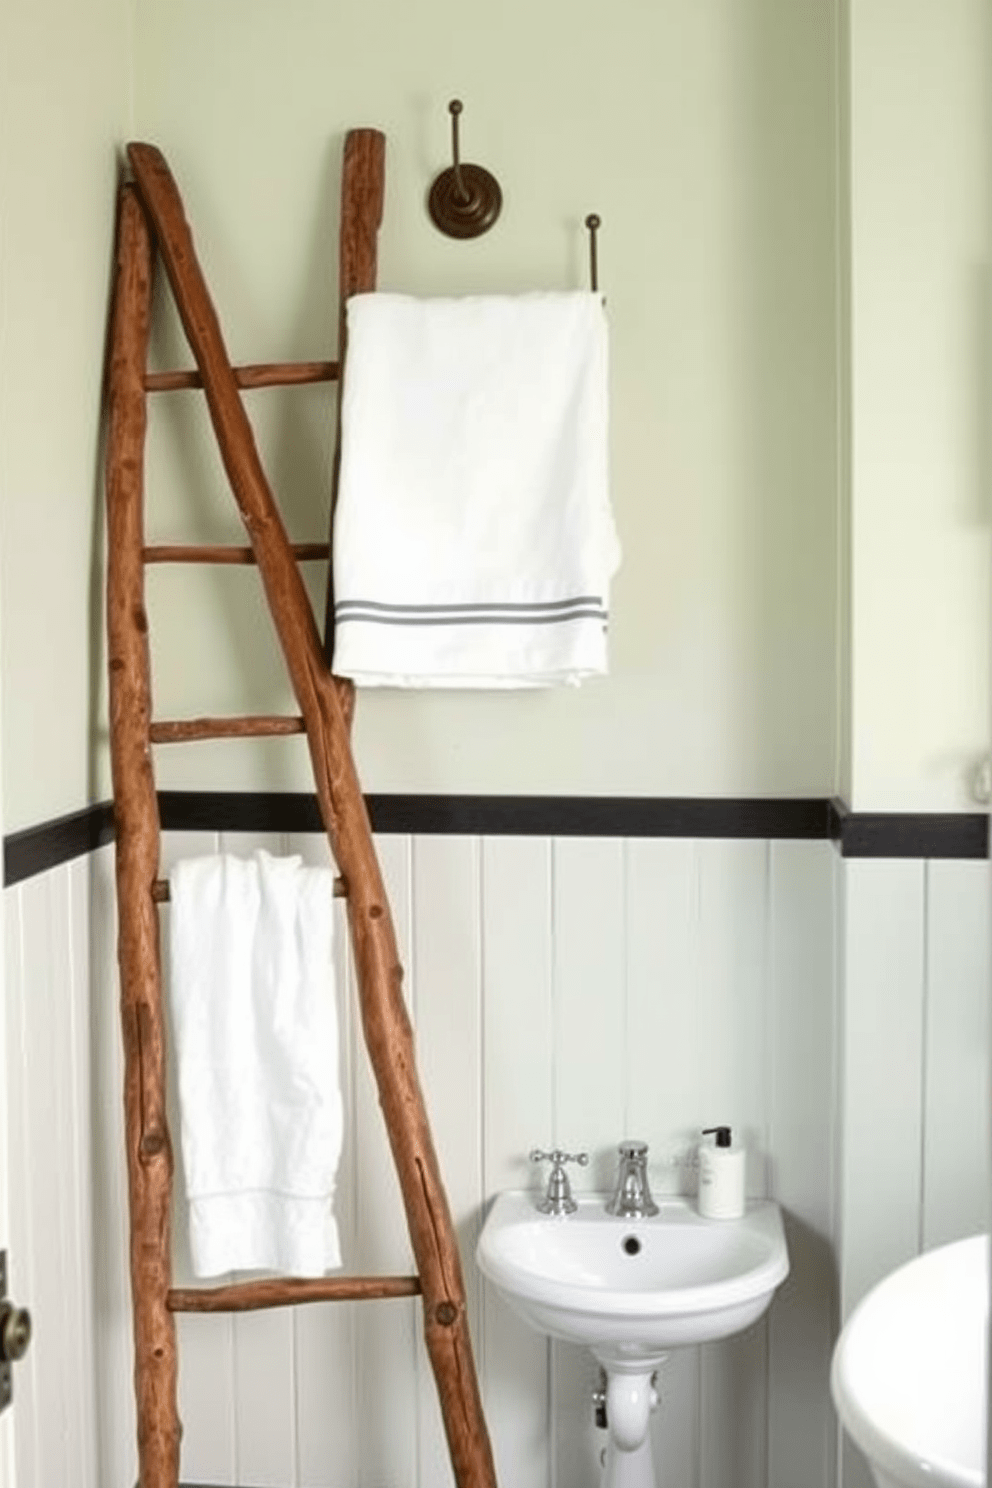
(558,1198)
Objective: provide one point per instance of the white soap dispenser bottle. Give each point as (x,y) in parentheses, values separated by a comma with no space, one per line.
(721,1176)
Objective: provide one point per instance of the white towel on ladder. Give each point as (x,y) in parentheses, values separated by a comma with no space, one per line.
(473,537)
(255,1025)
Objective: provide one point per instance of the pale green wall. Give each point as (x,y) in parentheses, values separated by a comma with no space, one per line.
(65,89)
(704,135)
(921,400)
(711,139)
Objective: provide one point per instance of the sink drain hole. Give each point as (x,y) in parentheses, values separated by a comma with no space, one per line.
(631,1245)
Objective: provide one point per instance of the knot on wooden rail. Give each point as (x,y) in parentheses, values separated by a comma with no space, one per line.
(152,1142)
(446,1313)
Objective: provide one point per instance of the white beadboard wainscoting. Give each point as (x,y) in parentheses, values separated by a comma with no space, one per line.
(564,990)
(913,1123)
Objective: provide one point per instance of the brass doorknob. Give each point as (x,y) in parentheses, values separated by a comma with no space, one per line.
(15,1332)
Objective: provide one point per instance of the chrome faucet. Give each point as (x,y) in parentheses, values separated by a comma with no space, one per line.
(558,1199)
(632,1198)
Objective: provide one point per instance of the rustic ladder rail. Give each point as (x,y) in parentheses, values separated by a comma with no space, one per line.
(151,209)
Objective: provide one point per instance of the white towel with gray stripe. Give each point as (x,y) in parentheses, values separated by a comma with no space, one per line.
(255,1024)
(473,537)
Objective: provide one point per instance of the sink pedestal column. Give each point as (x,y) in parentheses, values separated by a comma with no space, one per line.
(630,1399)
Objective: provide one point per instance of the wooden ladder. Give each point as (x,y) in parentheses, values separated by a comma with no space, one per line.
(150,211)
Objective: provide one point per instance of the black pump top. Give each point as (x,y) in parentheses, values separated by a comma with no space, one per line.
(722,1134)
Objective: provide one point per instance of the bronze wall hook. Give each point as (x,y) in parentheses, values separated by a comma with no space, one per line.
(464,200)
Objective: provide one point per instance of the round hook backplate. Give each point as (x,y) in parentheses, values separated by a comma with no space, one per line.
(15,1332)
(469,210)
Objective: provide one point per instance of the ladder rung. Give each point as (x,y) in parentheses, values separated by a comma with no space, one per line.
(251,1296)
(161,893)
(184,730)
(256,375)
(174,553)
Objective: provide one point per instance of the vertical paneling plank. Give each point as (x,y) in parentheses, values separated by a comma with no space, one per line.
(849,1469)
(447,1000)
(733,1410)
(663,1059)
(675,1424)
(78,1028)
(589,1009)
(882,1104)
(48,930)
(114,1352)
(46,1108)
(733,902)
(839,876)
(734,1089)
(882,1058)
(577,1444)
(8,1465)
(517,952)
(957,1161)
(386,1333)
(324,1335)
(590,1088)
(206,1343)
(24,1269)
(49,912)
(517,1050)
(264,1343)
(802,1323)
(663,1005)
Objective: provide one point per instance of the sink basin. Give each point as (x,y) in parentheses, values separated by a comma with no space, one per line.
(909,1370)
(630,1289)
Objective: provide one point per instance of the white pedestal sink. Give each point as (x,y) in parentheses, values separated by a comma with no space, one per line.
(910,1367)
(631,1290)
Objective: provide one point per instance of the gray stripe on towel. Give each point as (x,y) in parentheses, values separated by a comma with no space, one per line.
(463,619)
(536,604)
(586,606)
